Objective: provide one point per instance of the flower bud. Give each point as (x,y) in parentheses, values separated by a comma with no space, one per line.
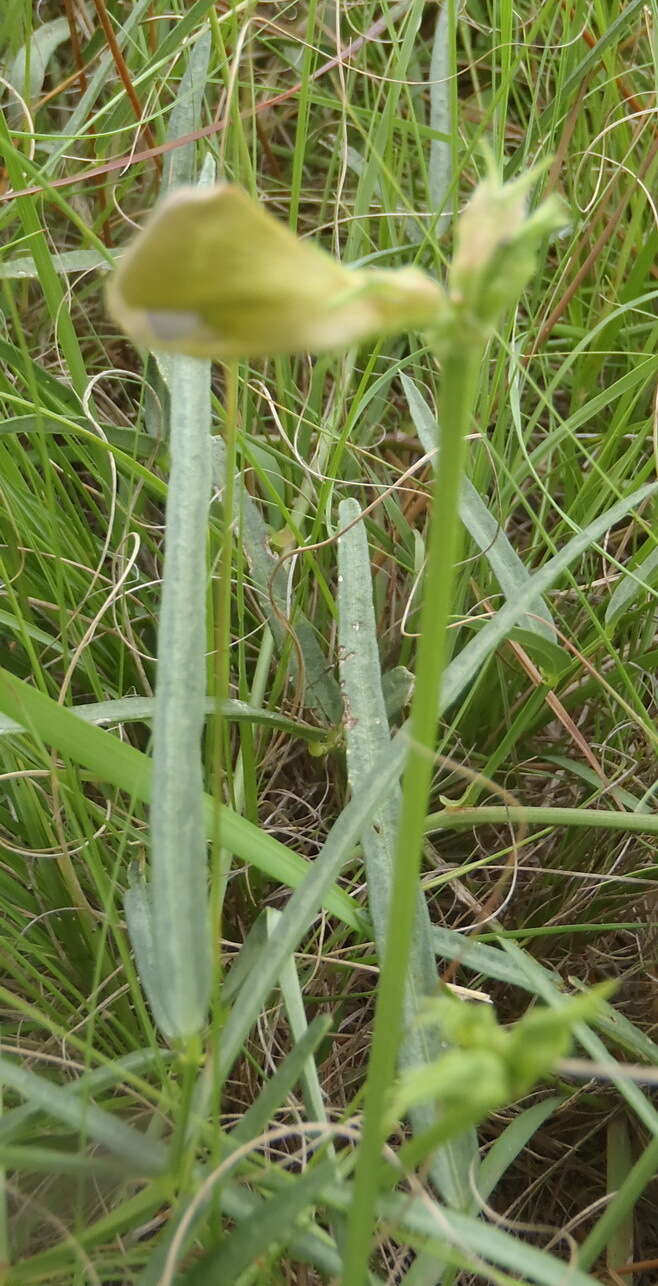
(496,247)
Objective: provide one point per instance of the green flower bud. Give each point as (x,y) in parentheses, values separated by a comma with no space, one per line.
(496,248)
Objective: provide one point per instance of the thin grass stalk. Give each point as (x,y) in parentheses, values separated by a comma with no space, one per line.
(222,660)
(220,859)
(460,374)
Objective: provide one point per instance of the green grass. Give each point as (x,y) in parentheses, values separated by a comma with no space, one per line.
(128,1158)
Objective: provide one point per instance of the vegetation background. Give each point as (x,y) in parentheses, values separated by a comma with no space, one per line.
(360,124)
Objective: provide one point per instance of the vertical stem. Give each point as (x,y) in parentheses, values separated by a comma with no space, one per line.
(222,682)
(453,89)
(222,668)
(460,372)
(301,131)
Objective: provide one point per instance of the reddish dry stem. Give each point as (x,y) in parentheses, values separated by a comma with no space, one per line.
(75,45)
(124,76)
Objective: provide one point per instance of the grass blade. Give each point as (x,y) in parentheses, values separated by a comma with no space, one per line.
(634,583)
(440,162)
(280,1084)
(511,1142)
(140,709)
(293,1000)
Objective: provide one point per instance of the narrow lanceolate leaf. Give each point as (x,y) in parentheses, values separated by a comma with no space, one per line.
(293,1000)
(510,1144)
(368,740)
(280,1084)
(179,900)
(68,261)
(186,114)
(440,176)
(137,906)
(27,72)
(172,943)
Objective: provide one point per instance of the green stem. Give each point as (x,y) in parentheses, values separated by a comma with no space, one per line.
(222,685)
(223,657)
(450,819)
(183,1150)
(460,373)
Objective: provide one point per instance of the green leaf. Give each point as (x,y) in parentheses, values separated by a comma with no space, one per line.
(67,261)
(321,692)
(510,1144)
(140,709)
(187,112)
(139,918)
(293,1001)
(180,929)
(279,1085)
(441,123)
